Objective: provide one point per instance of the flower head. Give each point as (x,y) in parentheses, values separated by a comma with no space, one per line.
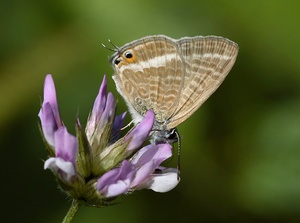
(97,165)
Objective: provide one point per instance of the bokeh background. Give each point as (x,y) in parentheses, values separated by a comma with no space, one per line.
(240,150)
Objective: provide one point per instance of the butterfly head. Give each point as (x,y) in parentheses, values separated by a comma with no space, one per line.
(124,57)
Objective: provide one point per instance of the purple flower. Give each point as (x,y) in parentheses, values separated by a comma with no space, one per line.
(142,172)
(63,163)
(49,114)
(94,123)
(96,164)
(116,181)
(118,124)
(149,174)
(141,132)
(63,144)
(128,145)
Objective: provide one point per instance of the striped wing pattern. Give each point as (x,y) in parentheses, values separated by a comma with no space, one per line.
(171,77)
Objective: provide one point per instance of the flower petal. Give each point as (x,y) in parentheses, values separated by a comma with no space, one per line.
(120,187)
(66,145)
(148,159)
(163,182)
(140,133)
(48,122)
(118,124)
(150,152)
(109,110)
(100,101)
(119,121)
(98,108)
(62,168)
(116,181)
(50,97)
(49,114)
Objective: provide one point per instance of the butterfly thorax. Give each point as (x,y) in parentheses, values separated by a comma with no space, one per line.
(164,136)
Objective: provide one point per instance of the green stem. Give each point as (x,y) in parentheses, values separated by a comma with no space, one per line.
(72,211)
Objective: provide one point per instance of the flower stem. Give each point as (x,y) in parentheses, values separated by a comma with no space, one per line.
(72,211)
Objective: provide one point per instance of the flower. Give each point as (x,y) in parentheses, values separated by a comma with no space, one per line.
(97,165)
(63,163)
(49,115)
(140,173)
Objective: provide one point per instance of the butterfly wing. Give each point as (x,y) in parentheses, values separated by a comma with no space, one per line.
(151,78)
(207,62)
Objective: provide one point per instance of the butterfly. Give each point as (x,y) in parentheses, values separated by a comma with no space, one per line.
(172,77)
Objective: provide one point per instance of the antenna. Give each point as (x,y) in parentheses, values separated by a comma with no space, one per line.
(116,49)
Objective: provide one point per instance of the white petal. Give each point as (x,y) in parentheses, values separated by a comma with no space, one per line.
(164,182)
(50,164)
(66,167)
(56,164)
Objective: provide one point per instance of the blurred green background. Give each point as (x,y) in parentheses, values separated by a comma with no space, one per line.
(240,151)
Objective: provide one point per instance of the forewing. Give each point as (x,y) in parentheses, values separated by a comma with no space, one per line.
(154,79)
(207,62)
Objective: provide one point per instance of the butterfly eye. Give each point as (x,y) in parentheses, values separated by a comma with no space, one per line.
(117,61)
(128,55)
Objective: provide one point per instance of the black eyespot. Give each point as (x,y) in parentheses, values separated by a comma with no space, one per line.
(128,55)
(117,61)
